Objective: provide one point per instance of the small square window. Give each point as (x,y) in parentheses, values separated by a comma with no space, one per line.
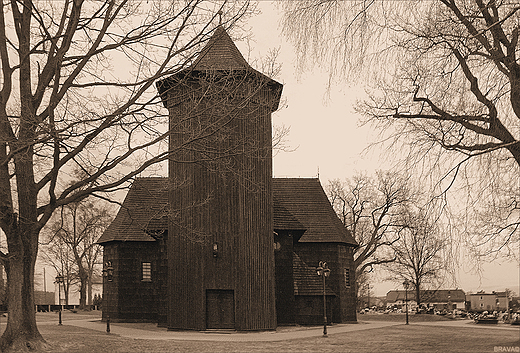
(146,271)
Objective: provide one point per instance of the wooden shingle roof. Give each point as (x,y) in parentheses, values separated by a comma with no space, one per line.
(220,54)
(305,199)
(285,220)
(299,204)
(143,212)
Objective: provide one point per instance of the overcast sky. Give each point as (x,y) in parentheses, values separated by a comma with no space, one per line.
(328,139)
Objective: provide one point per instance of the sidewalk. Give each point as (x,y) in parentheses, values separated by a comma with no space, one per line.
(152,332)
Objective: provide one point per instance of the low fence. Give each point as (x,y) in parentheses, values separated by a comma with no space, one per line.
(56,307)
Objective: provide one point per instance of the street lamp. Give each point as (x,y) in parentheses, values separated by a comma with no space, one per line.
(406,284)
(450,306)
(108,273)
(59,279)
(323,271)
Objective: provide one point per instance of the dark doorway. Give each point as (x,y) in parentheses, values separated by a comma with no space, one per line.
(220,309)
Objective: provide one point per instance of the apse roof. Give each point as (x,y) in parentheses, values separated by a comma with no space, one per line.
(305,199)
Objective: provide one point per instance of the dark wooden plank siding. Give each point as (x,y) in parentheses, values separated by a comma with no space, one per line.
(162,283)
(111,289)
(128,298)
(285,303)
(348,299)
(338,258)
(228,202)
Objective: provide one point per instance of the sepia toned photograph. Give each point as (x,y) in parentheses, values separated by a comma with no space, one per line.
(259,176)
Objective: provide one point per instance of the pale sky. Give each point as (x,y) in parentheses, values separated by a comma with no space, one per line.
(328,138)
(324,130)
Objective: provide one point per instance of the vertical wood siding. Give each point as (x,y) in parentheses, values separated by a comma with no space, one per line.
(127,298)
(338,256)
(227,201)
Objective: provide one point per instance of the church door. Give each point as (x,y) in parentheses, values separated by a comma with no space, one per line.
(220,309)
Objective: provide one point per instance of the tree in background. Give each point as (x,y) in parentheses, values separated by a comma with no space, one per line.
(370,208)
(59,256)
(418,251)
(72,248)
(444,86)
(77,91)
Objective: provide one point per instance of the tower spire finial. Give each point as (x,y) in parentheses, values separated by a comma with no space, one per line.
(219,13)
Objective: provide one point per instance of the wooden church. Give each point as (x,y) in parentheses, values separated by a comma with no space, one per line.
(220,243)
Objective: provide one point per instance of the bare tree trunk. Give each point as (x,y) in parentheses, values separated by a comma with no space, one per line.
(418,294)
(21,333)
(89,291)
(66,288)
(83,282)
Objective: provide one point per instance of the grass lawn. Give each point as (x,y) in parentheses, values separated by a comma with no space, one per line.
(399,338)
(391,339)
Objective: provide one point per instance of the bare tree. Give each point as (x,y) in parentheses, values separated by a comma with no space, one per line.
(370,209)
(418,252)
(77,90)
(73,239)
(445,81)
(60,257)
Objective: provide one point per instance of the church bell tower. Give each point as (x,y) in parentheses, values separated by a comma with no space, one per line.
(220,236)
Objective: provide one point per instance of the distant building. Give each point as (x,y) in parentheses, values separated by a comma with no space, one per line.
(494,301)
(44,298)
(439,299)
(398,298)
(514,304)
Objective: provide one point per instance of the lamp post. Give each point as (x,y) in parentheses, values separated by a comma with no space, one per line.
(406,284)
(450,306)
(108,273)
(323,271)
(59,279)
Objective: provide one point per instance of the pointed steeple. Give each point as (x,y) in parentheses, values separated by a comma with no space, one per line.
(220,54)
